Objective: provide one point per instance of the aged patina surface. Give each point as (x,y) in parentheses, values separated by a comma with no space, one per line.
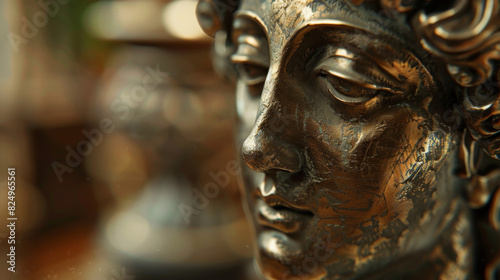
(362,127)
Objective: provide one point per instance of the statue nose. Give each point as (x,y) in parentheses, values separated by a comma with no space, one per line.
(264,150)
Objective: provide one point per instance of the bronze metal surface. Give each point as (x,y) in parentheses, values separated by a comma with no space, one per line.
(361,129)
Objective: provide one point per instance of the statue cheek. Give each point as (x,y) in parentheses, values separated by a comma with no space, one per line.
(382,143)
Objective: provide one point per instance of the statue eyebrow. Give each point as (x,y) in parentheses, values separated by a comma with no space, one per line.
(385,69)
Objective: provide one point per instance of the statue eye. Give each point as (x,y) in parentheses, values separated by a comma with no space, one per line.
(349,80)
(251,74)
(347,91)
(252,62)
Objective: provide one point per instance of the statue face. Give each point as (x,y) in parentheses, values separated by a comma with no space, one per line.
(341,125)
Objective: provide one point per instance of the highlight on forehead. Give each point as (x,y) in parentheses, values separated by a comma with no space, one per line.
(285,17)
(249,22)
(281,34)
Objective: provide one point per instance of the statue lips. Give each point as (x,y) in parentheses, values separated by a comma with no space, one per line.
(283,231)
(281,216)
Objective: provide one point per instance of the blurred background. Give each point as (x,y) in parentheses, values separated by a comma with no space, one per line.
(120,133)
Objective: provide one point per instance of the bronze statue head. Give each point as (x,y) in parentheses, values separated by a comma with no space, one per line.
(362,126)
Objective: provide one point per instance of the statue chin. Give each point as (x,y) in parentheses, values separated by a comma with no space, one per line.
(366,141)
